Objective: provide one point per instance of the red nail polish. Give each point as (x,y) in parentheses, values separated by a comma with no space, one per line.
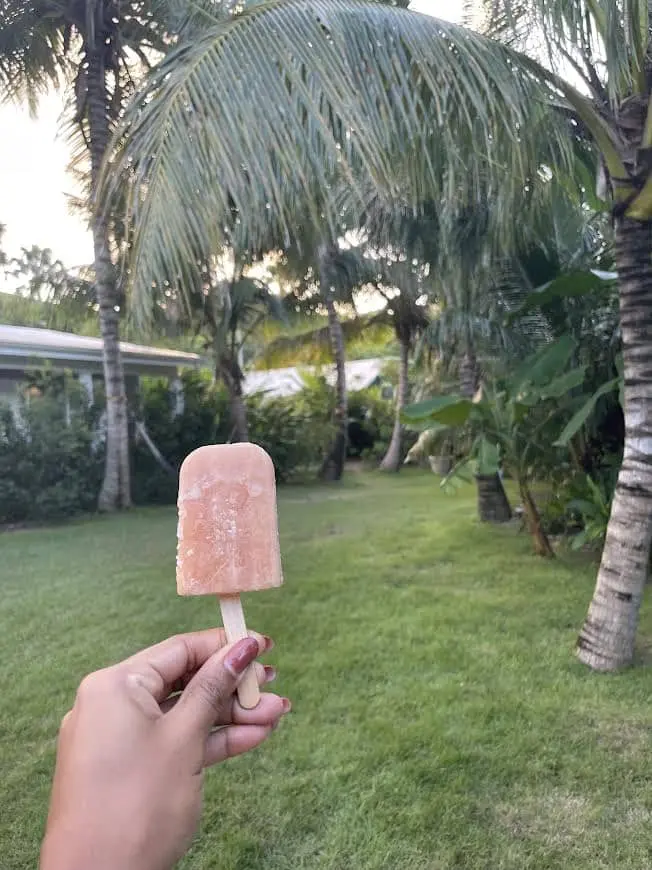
(269,643)
(287,705)
(238,659)
(270,673)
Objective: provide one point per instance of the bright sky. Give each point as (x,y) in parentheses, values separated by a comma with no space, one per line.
(34,182)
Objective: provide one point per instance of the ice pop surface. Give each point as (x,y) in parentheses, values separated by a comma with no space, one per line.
(228,528)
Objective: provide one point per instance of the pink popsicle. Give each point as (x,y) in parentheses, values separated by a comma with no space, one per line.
(228,534)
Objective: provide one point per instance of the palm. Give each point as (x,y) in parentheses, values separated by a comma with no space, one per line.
(444,114)
(93,45)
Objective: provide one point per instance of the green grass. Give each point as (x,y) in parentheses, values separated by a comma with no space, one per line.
(440,719)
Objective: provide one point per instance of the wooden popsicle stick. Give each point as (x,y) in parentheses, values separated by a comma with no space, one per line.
(235,628)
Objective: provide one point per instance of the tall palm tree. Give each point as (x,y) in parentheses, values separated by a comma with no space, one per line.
(403,286)
(231,310)
(96,46)
(301,91)
(313,263)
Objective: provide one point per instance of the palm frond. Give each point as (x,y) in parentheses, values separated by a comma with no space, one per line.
(264,116)
(32,56)
(605,42)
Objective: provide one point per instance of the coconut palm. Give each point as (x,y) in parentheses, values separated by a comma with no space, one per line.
(228,311)
(95,46)
(258,114)
(403,285)
(325,274)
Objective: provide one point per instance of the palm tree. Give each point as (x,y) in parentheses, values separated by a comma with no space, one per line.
(315,264)
(292,93)
(230,311)
(95,45)
(403,286)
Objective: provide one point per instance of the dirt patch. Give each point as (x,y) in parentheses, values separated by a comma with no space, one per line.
(556,817)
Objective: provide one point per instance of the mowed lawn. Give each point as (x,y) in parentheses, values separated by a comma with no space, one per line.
(440,720)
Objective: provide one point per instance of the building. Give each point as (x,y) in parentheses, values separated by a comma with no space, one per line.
(25,347)
(360,374)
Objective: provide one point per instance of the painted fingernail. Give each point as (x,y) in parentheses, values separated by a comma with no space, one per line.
(270,673)
(286,704)
(269,643)
(238,659)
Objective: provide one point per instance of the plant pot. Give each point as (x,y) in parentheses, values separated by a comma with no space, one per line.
(441,465)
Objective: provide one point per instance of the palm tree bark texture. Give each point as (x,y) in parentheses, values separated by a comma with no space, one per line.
(333,465)
(606,641)
(231,373)
(115,491)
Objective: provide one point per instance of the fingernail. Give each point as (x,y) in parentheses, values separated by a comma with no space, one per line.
(270,673)
(269,643)
(238,659)
(286,704)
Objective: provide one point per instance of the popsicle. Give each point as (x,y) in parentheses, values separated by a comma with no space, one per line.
(227,537)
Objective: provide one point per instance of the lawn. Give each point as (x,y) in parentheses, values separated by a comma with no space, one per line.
(440,720)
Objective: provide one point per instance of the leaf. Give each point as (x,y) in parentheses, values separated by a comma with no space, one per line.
(579,540)
(568,285)
(564,384)
(538,369)
(447,410)
(487,456)
(461,473)
(580,417)
(239,135)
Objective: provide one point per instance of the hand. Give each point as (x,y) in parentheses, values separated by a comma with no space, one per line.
(127,789)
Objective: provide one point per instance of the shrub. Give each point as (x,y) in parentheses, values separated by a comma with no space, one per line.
(295,437)
(49,466)
(204,420)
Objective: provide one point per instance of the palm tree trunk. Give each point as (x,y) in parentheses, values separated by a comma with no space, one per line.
(607,639)
(333,465)
(468,373)
(116,490)
(392,460)
(231,374)
(493,504)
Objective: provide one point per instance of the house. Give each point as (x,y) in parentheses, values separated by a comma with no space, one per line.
(26,347)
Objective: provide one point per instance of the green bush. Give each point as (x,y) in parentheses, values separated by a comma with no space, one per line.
(49,466)
(205,420)
(291,432)
(371,423)
(294,430)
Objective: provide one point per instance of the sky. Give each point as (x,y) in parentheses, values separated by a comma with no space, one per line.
(34,184)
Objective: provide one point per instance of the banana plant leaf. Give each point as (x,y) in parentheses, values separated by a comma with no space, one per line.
(540,368)
(564,384)
(580,417)
(446,410)
(570,284)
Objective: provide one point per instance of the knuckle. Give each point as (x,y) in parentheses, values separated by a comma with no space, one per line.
(212,692)
(93,685)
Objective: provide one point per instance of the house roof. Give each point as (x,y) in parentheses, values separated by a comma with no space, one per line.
(22,346)
(360,374)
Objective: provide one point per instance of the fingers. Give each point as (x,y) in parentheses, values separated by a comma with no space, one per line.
(264,674)
(207,698)
(234,740)
(160,667)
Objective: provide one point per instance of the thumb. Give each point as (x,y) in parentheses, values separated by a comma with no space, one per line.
(209,695)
